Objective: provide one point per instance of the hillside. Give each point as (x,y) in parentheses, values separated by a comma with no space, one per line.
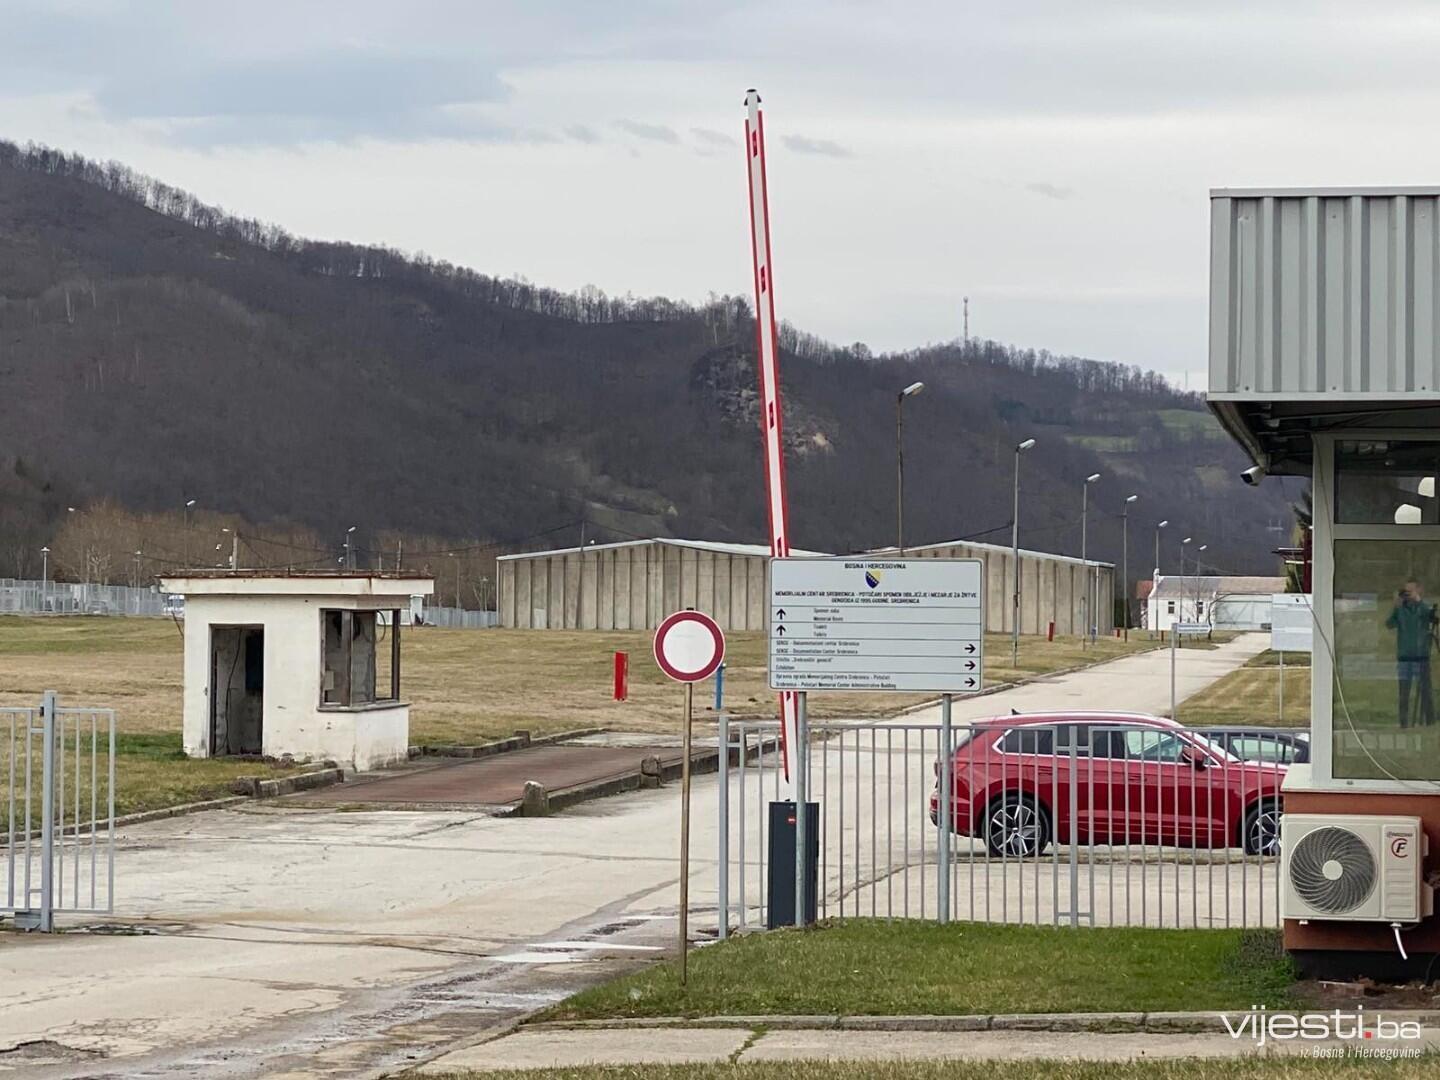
(154,349)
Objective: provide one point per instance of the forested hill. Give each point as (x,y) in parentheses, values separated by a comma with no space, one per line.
(153,348)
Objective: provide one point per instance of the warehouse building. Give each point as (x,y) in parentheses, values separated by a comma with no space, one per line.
(635,584)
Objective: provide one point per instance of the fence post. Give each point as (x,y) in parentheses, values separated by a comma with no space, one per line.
(942,805)
(47,813)
(801,786)
(1075,830)
(722,815)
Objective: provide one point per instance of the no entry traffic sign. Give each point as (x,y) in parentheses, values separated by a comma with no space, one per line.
(689,646)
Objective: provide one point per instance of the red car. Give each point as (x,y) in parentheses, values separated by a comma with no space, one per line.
(1138,779)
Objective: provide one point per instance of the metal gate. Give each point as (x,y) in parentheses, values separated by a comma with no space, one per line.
(1087,821)
(58,777)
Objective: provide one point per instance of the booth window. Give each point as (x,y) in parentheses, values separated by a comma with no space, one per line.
(361,657)
(1386,482)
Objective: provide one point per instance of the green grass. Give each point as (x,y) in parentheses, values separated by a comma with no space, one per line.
(1290,1067)
(1249,696)
(877,967)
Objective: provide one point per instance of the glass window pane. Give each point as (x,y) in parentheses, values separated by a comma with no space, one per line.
(1386,482)
(362,658)
(1385,637)
(385,632)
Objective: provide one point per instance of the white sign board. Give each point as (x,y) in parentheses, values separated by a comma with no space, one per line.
(1191,628)
(877,624)
(1292,623)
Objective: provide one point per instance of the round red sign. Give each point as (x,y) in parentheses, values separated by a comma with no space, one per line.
(689,646)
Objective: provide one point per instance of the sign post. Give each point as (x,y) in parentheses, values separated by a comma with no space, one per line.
(1292,629)
(1176,630)
(689,647)
(877,624)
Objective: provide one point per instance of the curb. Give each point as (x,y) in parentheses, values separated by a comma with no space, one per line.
(701,763)
(1100,1022)
(519,741)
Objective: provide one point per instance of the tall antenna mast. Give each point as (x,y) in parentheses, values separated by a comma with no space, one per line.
(967,320)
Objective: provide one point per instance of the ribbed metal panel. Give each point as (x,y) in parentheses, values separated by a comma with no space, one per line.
(1325,293)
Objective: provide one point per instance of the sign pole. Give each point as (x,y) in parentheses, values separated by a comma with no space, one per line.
(802,804)
(1174,637)
(685,836)
(1282,686)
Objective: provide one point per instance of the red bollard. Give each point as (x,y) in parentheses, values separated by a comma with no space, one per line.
(622,676)
(1050,631)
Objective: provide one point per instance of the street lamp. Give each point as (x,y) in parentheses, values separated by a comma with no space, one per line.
(1125,558)
(1182,554)
(909,391)
(349,552)
(1158,527)
(188,507)
(1015,557)
(1089,604)
(457,580)
(45,578)
(137,569)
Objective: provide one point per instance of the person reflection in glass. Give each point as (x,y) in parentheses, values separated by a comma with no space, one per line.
(1413,620)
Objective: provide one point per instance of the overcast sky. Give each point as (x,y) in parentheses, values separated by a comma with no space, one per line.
(1050,160)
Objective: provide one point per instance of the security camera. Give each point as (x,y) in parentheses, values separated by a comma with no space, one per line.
(1253,475)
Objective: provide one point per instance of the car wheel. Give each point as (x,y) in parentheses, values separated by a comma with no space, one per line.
(1016,828)
(1261,833)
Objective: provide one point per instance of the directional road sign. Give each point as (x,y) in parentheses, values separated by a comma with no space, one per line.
(877,624)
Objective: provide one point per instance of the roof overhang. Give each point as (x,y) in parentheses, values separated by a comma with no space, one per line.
(1276,434)
(348,586)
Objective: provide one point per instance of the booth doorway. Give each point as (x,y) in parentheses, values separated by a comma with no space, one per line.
(237,690)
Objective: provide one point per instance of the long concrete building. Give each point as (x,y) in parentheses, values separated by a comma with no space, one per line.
(635,584)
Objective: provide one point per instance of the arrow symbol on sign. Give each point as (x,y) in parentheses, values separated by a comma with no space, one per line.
(780,614)
(970,648)
(780,630)
(969,665)
(969,682)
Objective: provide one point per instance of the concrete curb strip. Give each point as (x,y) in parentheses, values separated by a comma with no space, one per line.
(521,740)
(1103,1022)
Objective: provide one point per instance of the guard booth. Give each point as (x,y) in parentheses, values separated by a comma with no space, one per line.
(306,665)
(1325,366)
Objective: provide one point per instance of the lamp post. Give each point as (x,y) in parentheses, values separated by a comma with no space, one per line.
(909,391)
(457,580)
(45,578)
(1088,606)
(1015,556)
(1155,580)
(1182,554)
(188,507)
(1125,559)
(137,569)
(349,551)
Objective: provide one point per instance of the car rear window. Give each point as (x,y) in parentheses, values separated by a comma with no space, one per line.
(1029,740)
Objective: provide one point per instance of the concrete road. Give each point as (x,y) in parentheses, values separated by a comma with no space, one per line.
(284,941)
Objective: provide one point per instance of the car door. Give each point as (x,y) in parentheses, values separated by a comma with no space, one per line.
(1159,786)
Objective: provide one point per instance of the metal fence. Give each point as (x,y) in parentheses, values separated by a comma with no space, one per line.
(21,597)
(24,597)
(57,786)
(1091,822)
(459,618)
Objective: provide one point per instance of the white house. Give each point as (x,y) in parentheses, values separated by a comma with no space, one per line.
(1226,603)
(299,664)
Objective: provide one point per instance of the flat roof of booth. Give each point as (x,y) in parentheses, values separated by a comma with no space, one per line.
(1324,314)
(298,583)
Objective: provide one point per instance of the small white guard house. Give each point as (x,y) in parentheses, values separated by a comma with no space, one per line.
(303,664)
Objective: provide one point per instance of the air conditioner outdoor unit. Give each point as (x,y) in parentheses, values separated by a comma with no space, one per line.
(1353,868)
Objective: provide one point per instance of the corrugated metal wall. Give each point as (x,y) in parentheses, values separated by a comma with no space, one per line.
(1324,292)
(634,586)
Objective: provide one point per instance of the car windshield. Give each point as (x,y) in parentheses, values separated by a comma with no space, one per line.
(1213,747)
